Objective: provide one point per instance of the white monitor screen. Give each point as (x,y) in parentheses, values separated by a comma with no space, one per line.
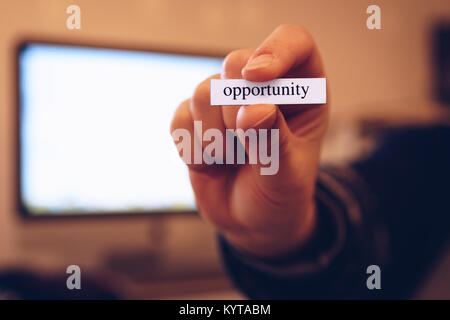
(94,129)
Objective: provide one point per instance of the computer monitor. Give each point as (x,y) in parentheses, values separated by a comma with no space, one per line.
(94,129)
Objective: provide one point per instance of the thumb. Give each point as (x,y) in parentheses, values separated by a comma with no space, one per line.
(274,144)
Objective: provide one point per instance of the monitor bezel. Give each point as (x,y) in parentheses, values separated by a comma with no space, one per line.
(20,46)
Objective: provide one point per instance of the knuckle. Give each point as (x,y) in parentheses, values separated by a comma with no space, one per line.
(235,60)
(201,94)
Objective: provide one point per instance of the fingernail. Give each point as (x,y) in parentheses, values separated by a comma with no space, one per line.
(259,62)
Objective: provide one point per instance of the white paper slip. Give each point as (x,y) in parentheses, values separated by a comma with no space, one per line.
(232,92)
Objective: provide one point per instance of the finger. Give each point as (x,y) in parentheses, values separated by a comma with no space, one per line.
(234,62)
(186,140)
(290,51)
(182,131)
(288,48)
(280,169)
(264,116)
(204,115)
(208,181)
(232,69)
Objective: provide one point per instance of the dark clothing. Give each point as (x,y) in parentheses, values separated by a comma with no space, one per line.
(391,209)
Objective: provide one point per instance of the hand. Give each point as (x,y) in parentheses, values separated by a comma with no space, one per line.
(265,215)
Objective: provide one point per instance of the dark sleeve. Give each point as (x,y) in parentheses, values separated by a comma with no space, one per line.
(391,209)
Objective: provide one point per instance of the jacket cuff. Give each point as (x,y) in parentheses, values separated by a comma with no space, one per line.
(339,206)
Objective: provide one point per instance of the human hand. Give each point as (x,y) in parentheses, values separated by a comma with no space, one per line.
(264,215)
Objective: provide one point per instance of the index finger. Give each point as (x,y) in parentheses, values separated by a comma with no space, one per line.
(288,49)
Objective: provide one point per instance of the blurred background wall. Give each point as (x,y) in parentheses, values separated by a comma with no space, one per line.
(366,69)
